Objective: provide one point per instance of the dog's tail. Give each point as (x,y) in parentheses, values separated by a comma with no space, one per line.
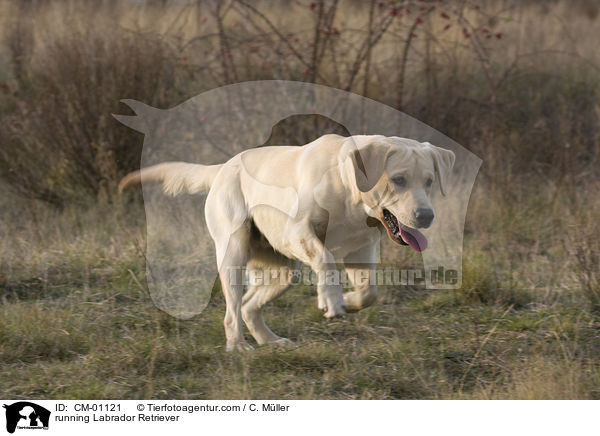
(176,177)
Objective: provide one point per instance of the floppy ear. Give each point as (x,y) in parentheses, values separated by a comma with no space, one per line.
(369,164)
(443,161)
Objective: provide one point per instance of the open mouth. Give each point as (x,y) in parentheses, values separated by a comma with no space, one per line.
(403,235)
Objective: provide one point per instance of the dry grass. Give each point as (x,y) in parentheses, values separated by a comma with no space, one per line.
(76,320)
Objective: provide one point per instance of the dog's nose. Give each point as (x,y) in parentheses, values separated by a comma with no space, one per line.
(424,216)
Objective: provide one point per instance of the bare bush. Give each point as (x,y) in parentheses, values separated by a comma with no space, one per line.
(61,140)
(525,108)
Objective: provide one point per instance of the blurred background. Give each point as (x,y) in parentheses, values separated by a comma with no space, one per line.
(515,82)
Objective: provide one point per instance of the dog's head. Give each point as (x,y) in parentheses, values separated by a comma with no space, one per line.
(394,178)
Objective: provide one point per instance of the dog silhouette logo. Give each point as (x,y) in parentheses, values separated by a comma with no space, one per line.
(26,415)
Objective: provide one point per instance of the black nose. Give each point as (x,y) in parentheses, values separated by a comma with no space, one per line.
(424,216)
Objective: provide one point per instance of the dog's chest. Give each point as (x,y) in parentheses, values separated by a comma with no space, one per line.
(342,240)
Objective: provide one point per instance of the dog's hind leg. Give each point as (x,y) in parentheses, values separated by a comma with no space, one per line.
(258,296)
(231,271)
(267,281)
(230,228)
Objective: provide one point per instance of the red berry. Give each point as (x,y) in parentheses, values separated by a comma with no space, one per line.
(499,35)
(419,21)
(445,16)
(312,6)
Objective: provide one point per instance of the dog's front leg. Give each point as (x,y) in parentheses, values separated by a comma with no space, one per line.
(330,295)
(360,267)
(365,292)
(310,250)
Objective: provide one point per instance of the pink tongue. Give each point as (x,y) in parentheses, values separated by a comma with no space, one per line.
(414,238)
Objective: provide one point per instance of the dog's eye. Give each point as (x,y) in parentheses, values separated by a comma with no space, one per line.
(428,183)
(400,181)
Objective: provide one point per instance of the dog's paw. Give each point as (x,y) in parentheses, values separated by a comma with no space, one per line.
(239,346)
(283,342)
(334,305)
(321,304)
(335,312)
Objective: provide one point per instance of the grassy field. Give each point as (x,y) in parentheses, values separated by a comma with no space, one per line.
(76,318)
(77,321)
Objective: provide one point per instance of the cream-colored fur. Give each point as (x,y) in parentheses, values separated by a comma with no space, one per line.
(177,177)
(270,208)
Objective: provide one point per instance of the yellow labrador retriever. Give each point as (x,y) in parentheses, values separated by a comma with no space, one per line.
(322,203)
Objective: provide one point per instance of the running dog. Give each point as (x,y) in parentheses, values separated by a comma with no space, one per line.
(326,202)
